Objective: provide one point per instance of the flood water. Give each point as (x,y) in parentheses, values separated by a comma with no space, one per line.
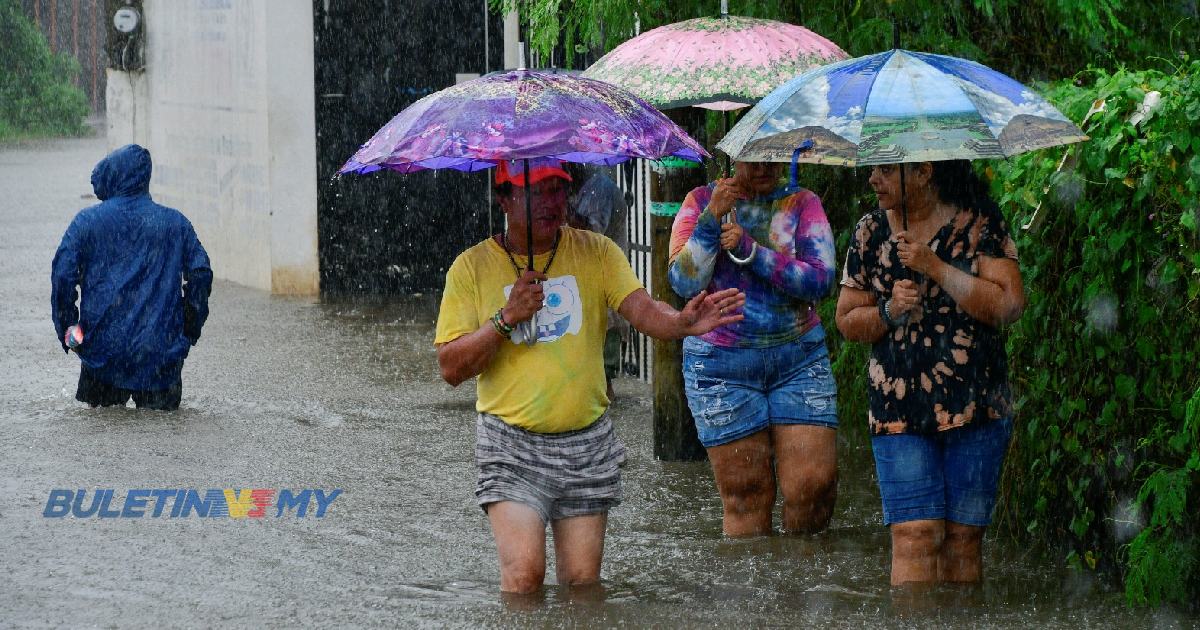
(293,393)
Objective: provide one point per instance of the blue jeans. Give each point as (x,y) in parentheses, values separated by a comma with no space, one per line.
(736,392)
(950,475)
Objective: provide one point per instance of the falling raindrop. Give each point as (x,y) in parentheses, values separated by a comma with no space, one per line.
(1068,189)
(1127,520)
(1102,313)
(1160,277)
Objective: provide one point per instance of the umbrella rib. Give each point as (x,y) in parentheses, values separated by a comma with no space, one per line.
(958,85)
(870,90)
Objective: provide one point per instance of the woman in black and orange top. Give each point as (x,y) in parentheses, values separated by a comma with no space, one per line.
(932,299)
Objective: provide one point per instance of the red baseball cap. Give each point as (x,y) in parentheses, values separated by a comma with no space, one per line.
(513,171)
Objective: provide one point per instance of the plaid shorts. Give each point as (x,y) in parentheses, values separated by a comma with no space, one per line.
(560,475)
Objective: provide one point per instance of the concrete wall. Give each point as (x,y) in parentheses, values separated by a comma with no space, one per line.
(226,107)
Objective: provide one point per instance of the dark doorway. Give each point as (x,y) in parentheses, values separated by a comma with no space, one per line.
(387,233)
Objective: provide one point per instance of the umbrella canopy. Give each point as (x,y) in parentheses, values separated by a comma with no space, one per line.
(720,63)
(897,106)
(522,114)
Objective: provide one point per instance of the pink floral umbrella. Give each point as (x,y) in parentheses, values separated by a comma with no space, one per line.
(720,63)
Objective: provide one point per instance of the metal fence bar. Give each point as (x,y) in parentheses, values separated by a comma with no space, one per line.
(634,180)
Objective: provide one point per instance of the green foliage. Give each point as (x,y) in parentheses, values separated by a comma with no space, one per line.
(1163,564)
(1036,39)
(1104,361)
(38,95)
(846,197)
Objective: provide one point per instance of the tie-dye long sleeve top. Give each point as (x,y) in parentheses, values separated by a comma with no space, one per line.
(792,268)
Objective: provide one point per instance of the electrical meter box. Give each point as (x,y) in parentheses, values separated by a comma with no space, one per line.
(126,35)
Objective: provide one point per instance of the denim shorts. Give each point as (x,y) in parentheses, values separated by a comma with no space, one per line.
(950,475)
(735,392)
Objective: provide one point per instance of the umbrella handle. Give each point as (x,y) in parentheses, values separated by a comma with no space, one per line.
(912,275)
(725,116)
(528,213)
(731,217)
(528,329)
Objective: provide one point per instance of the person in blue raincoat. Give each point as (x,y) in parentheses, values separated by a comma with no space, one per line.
(142,279)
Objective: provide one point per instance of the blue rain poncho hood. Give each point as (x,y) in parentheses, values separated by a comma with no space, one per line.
(123,173)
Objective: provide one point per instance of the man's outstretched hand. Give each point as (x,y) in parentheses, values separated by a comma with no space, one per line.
(707,311)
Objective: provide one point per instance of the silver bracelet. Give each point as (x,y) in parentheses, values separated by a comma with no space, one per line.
(885,312)
(748,258)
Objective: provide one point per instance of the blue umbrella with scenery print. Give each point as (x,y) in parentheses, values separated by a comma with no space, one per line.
(897,106)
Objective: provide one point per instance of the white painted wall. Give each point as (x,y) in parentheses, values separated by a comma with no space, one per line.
(512,36)
(128,105)
(226,107)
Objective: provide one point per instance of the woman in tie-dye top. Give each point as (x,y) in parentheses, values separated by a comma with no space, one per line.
(761,389)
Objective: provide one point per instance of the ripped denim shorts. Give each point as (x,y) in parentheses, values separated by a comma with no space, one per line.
(735,392)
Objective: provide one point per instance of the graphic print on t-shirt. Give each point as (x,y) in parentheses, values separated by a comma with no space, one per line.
(562,312)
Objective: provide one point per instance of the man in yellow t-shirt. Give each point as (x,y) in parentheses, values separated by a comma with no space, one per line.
(545,451)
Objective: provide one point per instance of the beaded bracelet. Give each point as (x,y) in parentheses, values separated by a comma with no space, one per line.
(501,326)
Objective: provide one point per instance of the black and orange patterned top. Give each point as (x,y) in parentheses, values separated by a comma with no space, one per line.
(942,368)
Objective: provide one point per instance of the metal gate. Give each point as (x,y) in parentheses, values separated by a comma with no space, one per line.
(634,180)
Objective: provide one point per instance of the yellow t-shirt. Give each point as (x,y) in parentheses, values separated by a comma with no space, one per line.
(557,384)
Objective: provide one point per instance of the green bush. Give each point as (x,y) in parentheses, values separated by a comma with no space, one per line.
(1105,361)
(1027,39)
(38,95)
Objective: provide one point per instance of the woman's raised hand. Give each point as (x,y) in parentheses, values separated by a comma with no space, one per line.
(725,195)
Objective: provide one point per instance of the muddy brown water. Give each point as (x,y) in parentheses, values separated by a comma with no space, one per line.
(293,393)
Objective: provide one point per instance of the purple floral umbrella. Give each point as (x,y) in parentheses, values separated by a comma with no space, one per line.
(523,114)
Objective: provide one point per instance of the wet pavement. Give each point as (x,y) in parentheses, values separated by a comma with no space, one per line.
(293,393)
